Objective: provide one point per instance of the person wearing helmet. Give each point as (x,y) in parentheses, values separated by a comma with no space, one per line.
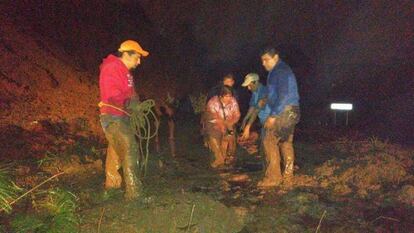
(118,95)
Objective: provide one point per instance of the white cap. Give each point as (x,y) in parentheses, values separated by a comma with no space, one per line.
(252,77)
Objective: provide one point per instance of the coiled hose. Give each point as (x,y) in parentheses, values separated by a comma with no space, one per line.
(140,118)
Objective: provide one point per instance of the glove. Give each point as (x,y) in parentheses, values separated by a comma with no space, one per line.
(133,104)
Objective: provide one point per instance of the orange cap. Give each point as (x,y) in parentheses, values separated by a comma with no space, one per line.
(131,45)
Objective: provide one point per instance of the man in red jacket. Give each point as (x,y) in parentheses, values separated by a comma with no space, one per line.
(117,95)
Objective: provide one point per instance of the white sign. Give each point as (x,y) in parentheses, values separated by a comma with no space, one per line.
(341,106)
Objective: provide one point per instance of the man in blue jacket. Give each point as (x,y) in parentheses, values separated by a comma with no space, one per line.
(283,101)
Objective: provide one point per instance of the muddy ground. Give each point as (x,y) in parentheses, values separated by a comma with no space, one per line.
(342,185)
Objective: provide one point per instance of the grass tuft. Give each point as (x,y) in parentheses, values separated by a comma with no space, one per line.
(8,190)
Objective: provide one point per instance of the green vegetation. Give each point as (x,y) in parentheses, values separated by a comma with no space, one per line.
(8,190)
(57,213)
(198,102)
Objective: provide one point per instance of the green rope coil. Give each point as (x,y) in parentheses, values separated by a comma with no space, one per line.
(141,117)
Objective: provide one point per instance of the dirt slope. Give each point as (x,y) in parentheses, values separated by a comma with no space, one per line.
(40,82)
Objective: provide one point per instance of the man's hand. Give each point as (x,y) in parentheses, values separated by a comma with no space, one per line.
(270,122)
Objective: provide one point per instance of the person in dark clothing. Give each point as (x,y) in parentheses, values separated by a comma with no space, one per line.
(228,80)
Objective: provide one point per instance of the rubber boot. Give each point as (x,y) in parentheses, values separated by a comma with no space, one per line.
(216,147)
(224,147)
(230,149)
(113,178)
(113,162)
(273,176)
(132,184)
(126,146)
(288,154)
(129,165)
(122,149)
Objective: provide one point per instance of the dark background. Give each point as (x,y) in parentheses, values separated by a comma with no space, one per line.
(349,51)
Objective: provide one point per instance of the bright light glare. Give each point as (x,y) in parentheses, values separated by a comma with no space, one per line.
(341,106)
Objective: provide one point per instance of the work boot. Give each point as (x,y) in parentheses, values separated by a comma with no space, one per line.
(273,176)
(113,179)
(122,149)
(231,150)
(288,154)
(216,148)
(132,184)
(129,166)
(132,189)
